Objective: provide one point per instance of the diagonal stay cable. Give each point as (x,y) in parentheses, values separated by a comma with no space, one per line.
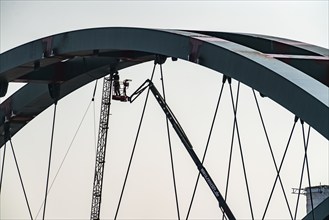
(240,148)
(231,148)
(95,130)
(49,160)
(94,112)
(2,166)
(302,172)
(6,138)
(69,148)
(207,144)
(170,148)
(281,163)
(134,147)
(307,164)
(64,158)
(271,151)
(20,178)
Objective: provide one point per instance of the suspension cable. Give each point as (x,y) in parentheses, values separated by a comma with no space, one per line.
(207,144)
(94,93)
(231,149)
(20,178)
(49,160)
(2,166)
(6,138)
(240,148)
(64,158)
(170,148)
(134,147)
(307,164)
(305,161)
(94,112)
(271,151)
(281,163)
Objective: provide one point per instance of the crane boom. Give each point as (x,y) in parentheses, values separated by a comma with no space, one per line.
(183,137)
(101,148)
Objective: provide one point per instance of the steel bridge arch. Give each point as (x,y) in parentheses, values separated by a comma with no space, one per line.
(293,74)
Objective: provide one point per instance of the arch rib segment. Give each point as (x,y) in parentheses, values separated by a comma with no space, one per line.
(33,98)
(301,94)
(310,59)
(269,44)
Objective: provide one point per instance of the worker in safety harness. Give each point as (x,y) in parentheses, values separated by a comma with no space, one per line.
(116,84)
(125,86)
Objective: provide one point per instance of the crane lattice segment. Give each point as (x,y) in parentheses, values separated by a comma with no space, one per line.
(101,147)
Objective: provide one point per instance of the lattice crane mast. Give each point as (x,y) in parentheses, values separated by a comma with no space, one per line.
(101,147)
(110,82)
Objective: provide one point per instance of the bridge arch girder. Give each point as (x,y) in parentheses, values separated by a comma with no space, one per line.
(78,57)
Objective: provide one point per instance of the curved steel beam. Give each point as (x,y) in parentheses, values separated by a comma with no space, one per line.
(303,95)
(310,59)
(33,98)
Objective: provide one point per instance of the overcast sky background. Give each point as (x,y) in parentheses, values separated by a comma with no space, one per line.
(192,93)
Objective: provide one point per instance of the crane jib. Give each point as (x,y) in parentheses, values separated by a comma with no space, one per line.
(183,137)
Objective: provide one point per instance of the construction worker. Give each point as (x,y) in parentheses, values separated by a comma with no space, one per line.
(116,85)
(125,86)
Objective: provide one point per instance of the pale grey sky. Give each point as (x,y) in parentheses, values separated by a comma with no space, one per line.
(149,192)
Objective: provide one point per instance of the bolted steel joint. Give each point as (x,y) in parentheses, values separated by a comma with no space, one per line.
(160,59)
(54,91)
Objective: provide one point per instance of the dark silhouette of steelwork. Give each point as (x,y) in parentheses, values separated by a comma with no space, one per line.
(291,73)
